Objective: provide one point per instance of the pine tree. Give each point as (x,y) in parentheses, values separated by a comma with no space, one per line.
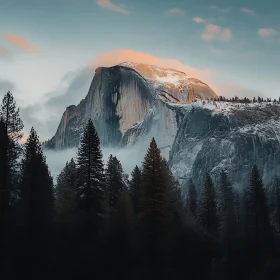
(154,216)
(275,205)
(174,201)
(135,188)
(191,203)
(65,190)
(9,116)
(153,187)
(115,181)
(90,189)
(257,215)
(207,211)
(227,214)
(36,185)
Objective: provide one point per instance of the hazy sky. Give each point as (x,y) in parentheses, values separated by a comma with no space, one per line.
(49,48)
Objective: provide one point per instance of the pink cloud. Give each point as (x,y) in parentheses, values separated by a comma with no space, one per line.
(247,11)
(107,4)
(198,20)
(176,11)
(215,32)
(266,32)
(118,56)
(207,75)
(21,43)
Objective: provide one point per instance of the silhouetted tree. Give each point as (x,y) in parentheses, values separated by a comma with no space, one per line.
(36,185)
(191,203)
(115,181)
(258,228)
(65,190)
(9,116)
(135,188)
(90,189)
(207,210)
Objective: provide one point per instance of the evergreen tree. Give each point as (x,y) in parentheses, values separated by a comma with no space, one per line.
(115,180)
(227,214)
(65,189)
(191,203)
(36,185)
(257,215)
(154,215)
(275,205)
(9,116)
(90,189)
(174,200)
(135,188)
(207,211)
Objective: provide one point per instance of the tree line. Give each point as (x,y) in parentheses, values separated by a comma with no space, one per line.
(96,222)
(244,100)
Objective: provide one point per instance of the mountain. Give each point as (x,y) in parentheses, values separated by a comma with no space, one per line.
(129,102)
(228,136)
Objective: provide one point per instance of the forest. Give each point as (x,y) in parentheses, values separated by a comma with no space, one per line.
(96,222)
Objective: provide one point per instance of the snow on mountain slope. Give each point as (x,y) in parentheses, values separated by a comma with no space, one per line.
(173,85)
(228,136)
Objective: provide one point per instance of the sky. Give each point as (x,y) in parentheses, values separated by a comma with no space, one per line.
(50,48)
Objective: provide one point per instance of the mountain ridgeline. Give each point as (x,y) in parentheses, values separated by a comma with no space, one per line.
(126,102)
(131,103)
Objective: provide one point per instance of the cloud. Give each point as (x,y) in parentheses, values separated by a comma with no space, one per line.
(221,10)
(198,20)
(266,32)
(176,11)
(247,11)
(21,43)
(107,4)
(118,56)
(5,54)
(215,32)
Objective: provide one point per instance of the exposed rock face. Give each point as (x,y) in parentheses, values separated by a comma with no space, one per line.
(127,102)
(228,137)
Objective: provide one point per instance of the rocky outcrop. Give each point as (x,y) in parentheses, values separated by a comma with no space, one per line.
(127,102)
(227,136)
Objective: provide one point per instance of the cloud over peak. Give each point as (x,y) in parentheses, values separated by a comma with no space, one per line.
(215,32)
(108,4)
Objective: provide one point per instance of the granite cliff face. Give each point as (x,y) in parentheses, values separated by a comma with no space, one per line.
(128,102)
(227,136)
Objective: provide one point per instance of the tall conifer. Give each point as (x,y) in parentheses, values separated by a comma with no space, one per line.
(10,149)
(36,184)
(90,188)
(207,211)
(135,188)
